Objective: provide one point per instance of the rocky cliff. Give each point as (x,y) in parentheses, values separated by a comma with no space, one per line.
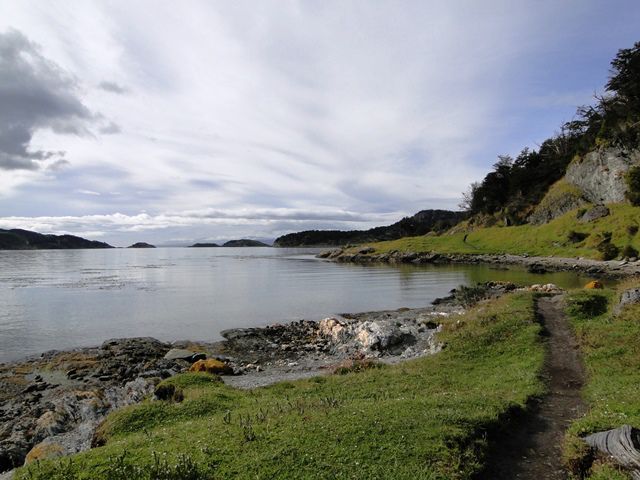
(600,174)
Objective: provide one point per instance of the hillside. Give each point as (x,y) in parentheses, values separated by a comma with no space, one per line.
(17,239)
(578,194)
(421,223)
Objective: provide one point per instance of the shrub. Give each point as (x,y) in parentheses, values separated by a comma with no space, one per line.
(608,251)
(629,252)
(632,179)
(632,230)
(576,237)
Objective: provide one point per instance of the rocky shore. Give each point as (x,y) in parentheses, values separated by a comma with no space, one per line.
(596,268)
(51,405)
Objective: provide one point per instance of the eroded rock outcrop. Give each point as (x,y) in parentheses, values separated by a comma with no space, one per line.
(600,174)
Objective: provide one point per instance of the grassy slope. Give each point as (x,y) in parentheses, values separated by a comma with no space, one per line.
(423,419)
(548,239)
(611,348)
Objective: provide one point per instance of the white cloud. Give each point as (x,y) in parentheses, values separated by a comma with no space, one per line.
(301,106)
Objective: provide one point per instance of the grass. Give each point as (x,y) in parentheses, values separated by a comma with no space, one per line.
(422,419)
(610,344)
(545,240)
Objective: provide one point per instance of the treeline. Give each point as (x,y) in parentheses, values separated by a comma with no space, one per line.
(515,185)
(421,223)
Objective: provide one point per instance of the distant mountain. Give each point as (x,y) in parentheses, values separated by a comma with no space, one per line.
(244,242)
(17,239)
(204,245)
(141,245)
(421,223)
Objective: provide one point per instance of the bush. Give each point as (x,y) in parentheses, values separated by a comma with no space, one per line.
(587,304)
(576,237)
(629,252)
(608,251)
(632,179)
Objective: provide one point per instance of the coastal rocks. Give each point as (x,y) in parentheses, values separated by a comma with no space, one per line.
(43,451)
(60,397)
(384,335)
(184,354)
(547,288)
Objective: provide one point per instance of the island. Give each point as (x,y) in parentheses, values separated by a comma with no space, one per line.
(141,245)
(244,242)
(204,245)
(18,239)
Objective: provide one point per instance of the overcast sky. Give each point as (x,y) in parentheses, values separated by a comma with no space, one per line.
(181,121)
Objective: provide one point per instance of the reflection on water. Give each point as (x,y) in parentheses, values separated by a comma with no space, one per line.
(67,298)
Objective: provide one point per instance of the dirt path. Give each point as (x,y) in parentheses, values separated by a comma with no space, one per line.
(531,450)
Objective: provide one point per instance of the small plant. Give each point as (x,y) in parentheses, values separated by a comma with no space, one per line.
(576,237)
(169,392)
(629,252)
(607,250)
(632,179)
(632,230)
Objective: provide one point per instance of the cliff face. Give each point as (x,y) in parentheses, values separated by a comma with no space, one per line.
(600,174)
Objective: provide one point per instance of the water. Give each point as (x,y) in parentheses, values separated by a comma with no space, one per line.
(57,299)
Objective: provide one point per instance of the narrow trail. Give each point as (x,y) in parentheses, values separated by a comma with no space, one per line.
(532,448)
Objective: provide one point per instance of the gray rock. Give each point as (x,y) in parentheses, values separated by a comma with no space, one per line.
(600,174)
(599,211)
(629,297)
(184,354)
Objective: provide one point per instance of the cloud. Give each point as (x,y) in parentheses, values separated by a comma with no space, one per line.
(113,87)
(34,94)
(270,113)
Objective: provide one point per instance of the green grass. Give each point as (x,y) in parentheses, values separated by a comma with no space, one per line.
(422,419)
(610,345)
(546,240)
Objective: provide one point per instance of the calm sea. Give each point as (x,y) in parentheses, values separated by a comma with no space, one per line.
(56,299)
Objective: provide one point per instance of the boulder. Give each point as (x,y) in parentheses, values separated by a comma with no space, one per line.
(599,211)
(43,451)
(629,297)
(184,354)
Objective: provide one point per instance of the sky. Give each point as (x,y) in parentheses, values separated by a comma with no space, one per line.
(175,122)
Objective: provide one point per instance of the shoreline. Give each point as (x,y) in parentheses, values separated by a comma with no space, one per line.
(54,402)
(613,269)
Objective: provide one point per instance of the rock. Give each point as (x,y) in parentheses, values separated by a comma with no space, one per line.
(212,366)
(629,297)
(50,423)
(43,451)
(184,354)
(366,251)
(595,284)
(600,175)
(594,213)
(537,268)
